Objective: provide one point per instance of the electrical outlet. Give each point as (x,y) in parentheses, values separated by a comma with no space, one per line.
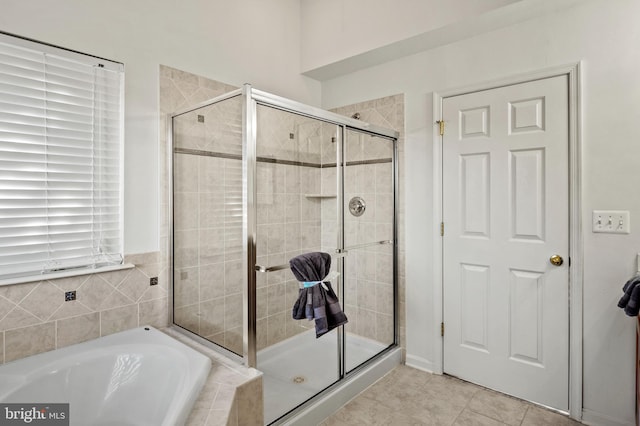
(611,221)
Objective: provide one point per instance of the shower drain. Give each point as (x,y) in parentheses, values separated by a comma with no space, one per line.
(298,379)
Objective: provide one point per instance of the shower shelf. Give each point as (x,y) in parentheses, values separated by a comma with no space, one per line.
(319,196)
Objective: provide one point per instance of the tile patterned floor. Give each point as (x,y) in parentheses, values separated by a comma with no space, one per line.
(407,396)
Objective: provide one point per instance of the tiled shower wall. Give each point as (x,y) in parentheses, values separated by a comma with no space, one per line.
(34,317)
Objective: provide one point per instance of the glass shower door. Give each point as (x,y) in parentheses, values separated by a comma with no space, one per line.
(296,214)
(207,222)
(369,246)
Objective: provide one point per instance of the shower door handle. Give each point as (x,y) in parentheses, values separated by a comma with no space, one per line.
(259,268)
(343,252)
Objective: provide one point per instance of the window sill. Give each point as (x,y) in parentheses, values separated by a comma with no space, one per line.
(65,274)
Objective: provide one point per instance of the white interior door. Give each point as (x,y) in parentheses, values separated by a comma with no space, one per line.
(506,213)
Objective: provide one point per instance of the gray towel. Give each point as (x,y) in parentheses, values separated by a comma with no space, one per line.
(630,300)
(315,302)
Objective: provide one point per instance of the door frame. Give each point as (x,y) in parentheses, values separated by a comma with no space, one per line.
(572,71)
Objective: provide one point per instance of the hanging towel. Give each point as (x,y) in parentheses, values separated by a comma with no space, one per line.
(630,300)
(317,301)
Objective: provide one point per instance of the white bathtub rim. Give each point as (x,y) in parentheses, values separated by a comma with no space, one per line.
(19,372)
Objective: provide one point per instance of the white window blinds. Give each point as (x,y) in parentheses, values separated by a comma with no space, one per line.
(61,120)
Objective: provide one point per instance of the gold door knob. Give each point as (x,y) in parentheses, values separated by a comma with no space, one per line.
(556,260)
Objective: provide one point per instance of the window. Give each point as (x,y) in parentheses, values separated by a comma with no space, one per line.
(61,137)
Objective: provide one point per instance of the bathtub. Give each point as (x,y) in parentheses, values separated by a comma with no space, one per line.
(136,377)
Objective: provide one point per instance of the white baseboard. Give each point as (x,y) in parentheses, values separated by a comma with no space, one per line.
(598,419)
(419,363)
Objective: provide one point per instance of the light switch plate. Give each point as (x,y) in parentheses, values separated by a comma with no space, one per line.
(611,221)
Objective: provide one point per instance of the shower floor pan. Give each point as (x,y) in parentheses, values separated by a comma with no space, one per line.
(300,367)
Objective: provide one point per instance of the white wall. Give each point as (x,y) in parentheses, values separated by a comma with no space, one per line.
(337,29)
(605,36)
(236,42)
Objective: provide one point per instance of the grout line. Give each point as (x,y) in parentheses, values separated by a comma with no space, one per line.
(525,414)
(12,304)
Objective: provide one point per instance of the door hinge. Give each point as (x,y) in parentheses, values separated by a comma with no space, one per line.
(441,123)
(442,229)
(442,329)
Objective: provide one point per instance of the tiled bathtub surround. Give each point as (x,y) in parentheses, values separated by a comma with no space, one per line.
(34,317)
(232,394)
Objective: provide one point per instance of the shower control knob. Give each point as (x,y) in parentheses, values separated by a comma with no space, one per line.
(357,206)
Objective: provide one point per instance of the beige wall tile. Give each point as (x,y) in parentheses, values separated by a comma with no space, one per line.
(18,317)
(211,281)
(79,320)
(134,285)
(249,401)
(188,317)
(43,301)
(186,282)
(114,300)
(23,342)
(15,293)
(115,277)
(93,292)
(233,311)
(153,292)
(197,417)
(77,329)
(211,246)
(218,418)
(142,258)
(276,328)
(70,283)
(118,319)
(186,248)
(233,339)
(1,347)
(69,309)
(154,313)
(5,307)
(212,316)
(224,397)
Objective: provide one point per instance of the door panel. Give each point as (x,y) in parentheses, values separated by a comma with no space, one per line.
(505,208)
(368,242)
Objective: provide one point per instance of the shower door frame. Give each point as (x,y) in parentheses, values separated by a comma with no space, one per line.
(252,98)
(255,97)
(170,221)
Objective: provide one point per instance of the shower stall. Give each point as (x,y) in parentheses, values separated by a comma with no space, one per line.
(257,180)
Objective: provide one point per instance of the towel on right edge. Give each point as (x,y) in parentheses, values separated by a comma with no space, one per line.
(318,302)
(630,300)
